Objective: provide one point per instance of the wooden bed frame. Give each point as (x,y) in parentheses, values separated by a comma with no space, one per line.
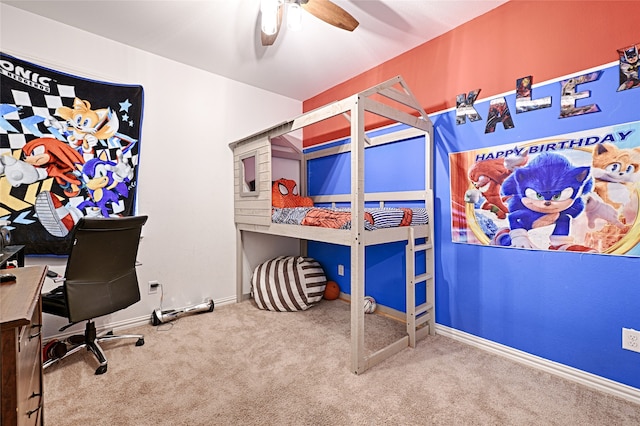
(391,100)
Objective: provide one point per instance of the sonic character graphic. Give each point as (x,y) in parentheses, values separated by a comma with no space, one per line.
(549,191)
(106,182)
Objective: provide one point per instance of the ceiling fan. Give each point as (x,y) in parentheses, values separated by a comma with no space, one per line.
(272,12)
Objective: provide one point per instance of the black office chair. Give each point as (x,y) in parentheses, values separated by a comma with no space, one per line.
(100,278)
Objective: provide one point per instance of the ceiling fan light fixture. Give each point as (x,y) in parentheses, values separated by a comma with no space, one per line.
(269,12)
(294,17)
(272,12)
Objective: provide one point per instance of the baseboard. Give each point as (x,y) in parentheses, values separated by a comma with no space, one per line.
(226,301)
(593,381)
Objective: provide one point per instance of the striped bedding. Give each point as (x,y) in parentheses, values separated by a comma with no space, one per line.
(375,218)
(288,283)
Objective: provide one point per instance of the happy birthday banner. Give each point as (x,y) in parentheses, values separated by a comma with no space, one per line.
(574,192)
(574,186)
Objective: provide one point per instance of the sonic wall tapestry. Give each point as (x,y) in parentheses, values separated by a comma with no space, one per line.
(573,184)
(69,147)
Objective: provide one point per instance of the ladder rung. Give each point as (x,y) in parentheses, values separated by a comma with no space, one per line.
(422,277)
(422,247)
(425,307)
(422,320)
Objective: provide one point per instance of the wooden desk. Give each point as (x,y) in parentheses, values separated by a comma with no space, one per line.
(21,391)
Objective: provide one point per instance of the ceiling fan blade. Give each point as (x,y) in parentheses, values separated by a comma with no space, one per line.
(330,13)
(269,39)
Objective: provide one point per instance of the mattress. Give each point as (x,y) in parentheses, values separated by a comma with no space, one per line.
(339,218)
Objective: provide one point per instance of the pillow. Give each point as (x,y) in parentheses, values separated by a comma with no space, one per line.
(284,193)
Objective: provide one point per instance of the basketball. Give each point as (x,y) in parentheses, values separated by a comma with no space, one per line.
(369,305)
(331,290)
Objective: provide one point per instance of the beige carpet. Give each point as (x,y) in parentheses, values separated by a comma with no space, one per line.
(242,366)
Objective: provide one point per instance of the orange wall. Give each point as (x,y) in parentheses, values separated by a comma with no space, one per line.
(545,39)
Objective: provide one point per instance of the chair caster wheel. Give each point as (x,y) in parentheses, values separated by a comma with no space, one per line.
(101,370)
(140,342)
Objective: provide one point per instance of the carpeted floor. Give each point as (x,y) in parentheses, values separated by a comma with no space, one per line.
(242,366)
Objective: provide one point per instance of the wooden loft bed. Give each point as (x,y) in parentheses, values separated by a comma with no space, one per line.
(253,160)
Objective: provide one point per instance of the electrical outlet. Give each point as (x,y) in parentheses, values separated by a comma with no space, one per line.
(631,339)
(341,270)
(153,287)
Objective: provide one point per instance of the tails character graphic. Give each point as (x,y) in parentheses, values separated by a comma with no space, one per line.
(617,173)
(84,127)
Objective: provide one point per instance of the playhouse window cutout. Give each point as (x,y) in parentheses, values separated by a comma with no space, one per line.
(249,174)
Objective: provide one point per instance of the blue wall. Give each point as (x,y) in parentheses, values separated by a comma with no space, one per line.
(566,307)
(398,166)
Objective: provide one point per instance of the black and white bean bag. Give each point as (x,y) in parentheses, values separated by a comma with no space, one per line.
(288,283)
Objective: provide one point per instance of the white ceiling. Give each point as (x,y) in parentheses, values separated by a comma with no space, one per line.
(223,36)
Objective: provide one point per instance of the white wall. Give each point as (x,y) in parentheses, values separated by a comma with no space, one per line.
(186,170)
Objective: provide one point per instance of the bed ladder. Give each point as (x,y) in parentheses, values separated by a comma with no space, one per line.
(420,319)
